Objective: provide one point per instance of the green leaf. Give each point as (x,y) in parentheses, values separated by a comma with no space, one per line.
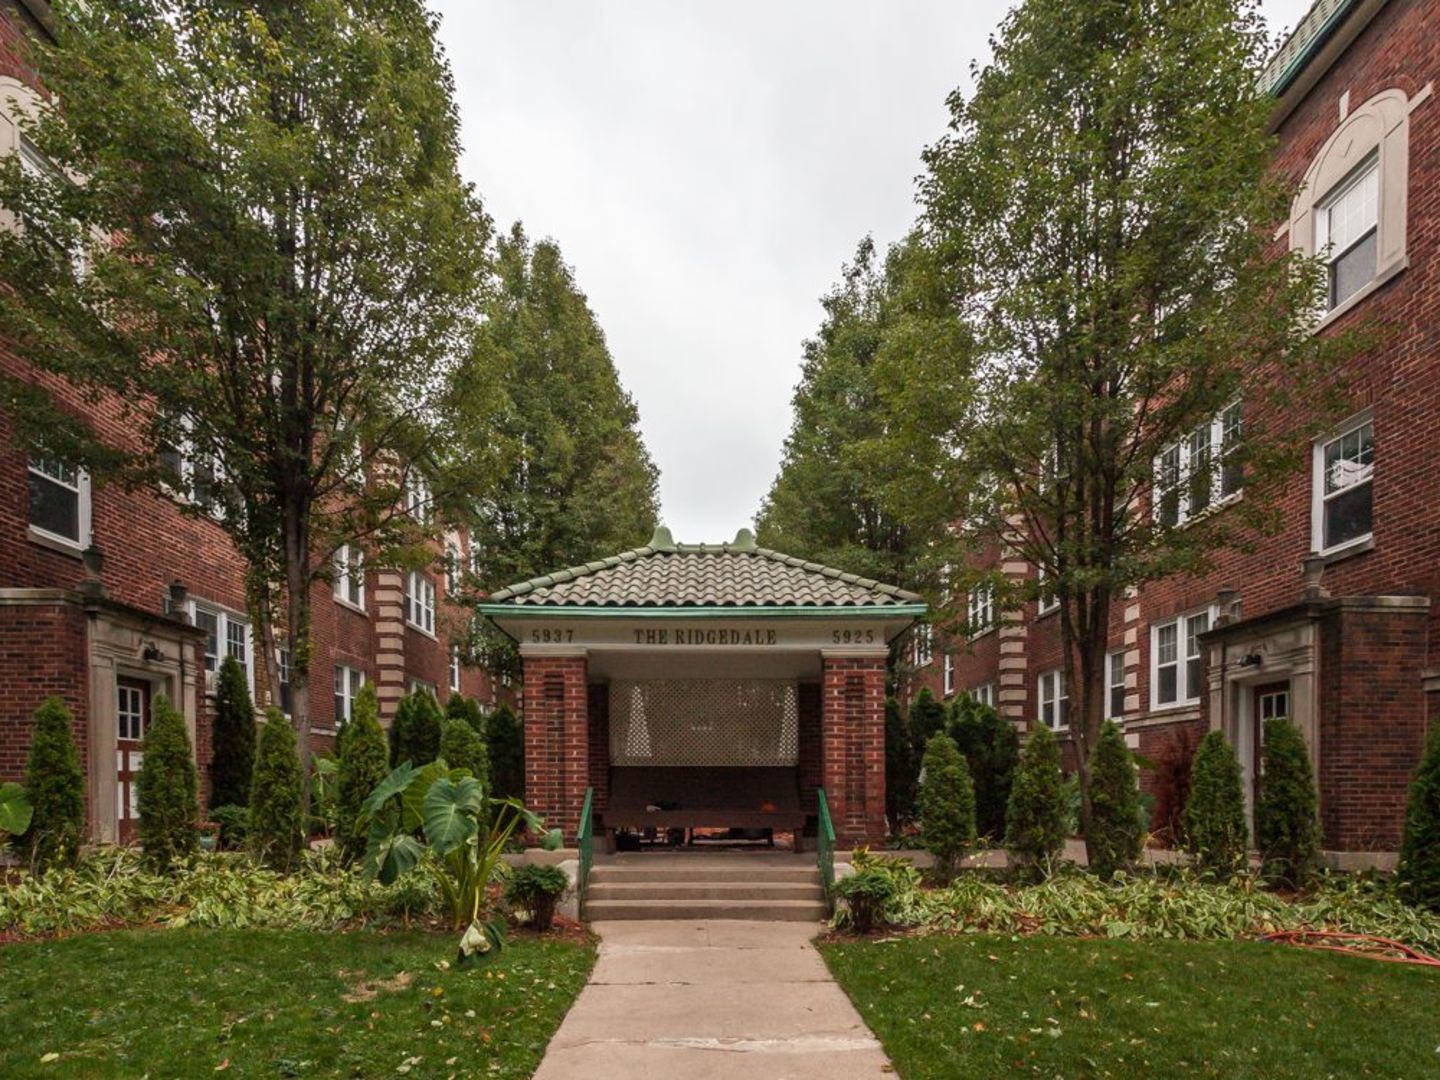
(413,800)
(451,812)
(398,780)
(15,809)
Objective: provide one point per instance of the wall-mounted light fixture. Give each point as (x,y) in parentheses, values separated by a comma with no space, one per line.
(1253,659)
(152,652)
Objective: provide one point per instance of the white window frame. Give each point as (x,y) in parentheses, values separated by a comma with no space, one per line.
(349,586)
(225,618)
(420,602)
(984,694)
(922,646)
(1112,669)
(948,669)
(475,555)
(1318,496)
(1223,431)
(452,565)
(282,676)
(1045,606)
(186,463)
(419,500)
(455,669)
(417,684)
(1185,694)
(980,608)
(1366,173)
(80,486)
(1058,704)
(348,683)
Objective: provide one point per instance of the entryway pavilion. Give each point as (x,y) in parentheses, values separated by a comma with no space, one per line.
(705,686)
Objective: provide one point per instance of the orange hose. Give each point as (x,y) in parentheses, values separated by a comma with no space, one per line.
(1317,939)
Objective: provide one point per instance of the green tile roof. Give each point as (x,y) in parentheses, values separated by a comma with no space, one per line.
(1300,45)
(664,574)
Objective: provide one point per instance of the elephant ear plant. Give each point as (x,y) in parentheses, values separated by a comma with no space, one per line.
(439,818)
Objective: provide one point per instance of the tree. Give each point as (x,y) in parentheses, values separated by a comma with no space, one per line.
(828,502)
(992,749)
(1215,829)
(276,827)
(927,718)
(55,786)
(461,748)
(1115,836)
(167,788)
(1097,269)
(1287,828)
(946,804)
(232,761)
(1035,818)
(415,729)
(1418,874)
(364,762)
(901,766)
(280,278)
(505,751)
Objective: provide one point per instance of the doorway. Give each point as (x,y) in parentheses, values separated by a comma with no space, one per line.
(1271,702)
(132,717)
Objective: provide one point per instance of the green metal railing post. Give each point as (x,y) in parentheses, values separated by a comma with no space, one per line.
(585,840)
(825,847)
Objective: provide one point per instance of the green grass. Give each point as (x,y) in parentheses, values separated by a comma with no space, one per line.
(984,1006)
(171,1003)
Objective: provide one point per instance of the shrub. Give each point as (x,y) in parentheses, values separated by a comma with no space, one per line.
(167,789)
(234,822)
(992,749)
(927,718)
(232,762)
(1171,776)
(415,731)
(1419,872)
(1286,826)
(276,828)
(459,707)
(866,892)
(1115,836)
(901,766)
(537,889)
(363,764)
(946,804)
(461,748)
(505,750)
(324,776)
(55,786)
(1215,829)
(1035,817)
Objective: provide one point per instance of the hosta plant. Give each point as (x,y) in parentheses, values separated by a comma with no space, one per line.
(435,818)
(537,889)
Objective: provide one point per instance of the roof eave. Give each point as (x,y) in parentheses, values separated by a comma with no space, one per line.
(777,611)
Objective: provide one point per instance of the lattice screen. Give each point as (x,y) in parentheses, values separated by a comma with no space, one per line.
(703,722)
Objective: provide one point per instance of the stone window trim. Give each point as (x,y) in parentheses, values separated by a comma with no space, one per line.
(1379,129)
(1355,545)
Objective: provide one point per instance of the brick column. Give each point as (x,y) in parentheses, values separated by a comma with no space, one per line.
(852,736)
(557,741)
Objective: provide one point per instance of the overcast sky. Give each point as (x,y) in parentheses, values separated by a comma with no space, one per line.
(707,167)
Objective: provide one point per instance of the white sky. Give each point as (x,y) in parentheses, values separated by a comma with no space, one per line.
(706,167)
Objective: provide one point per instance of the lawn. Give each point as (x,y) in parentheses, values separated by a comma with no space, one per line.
(279,1003)
(983,1006)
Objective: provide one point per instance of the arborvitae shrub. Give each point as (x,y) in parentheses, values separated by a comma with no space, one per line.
(462,749)
(1215,829)
(946,804)
(276,828)
(232,762)
(415,731)
(927,718)
(901,766)
(460,707)
(992,749)
(1171,775)
(505,743)
(1287,827)
(1035,818)
(1419,872)
(55,786)
(1115,836)
(364,762)
(167,788)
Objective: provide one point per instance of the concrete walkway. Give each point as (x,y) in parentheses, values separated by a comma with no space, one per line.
(711,1000)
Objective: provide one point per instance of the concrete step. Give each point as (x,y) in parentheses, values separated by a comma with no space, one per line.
(705,890)
(675,872)
(767,910)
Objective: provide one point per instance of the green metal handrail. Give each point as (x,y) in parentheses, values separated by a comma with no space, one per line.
(825,846)
(585,840)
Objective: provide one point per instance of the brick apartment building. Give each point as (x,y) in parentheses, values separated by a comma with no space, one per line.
(1335,620)
(108,596)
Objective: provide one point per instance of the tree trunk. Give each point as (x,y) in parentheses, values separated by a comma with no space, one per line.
(1093,649)
(297,580)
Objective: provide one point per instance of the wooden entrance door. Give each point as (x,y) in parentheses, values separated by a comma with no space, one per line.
(1272,701)
(132,715)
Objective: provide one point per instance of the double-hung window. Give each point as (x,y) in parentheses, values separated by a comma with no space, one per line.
(1115,685)
(420,601)
(984,694)
(922,646)
(455,668)
(1344,477)
(1049,598)
(59,502)
(350,575)
(282,670)
(1198,471)
(191,474)
(452,565)
(348,681)
(419,503)
(1175,661)
(949,670)
(1346,231)
(1054,700)
(981,603)
(227,634)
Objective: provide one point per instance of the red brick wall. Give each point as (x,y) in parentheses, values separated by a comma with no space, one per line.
(557,757)
(599,728)
(42,654)
(809,744)
(853,751)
